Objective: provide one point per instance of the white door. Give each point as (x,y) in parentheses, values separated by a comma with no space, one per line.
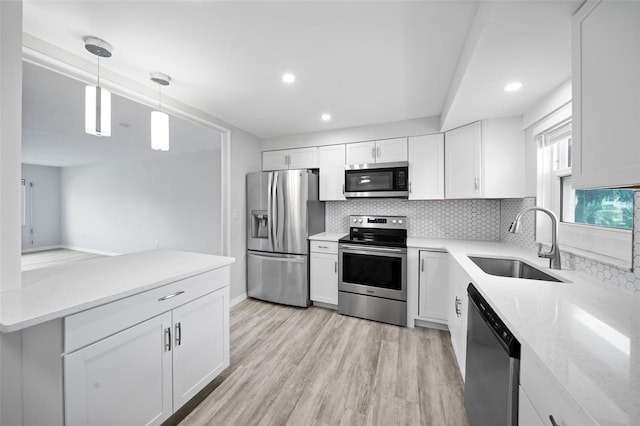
(433,291)
(331,164)
(124,379)
(275,160)
(361,153)
(426,167)
(201,343)
(324,278)
(303,158)
(463,148)
(391,150)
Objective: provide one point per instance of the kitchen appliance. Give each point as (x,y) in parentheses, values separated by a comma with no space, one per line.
(282,212)
(372,269)
(492,367)
(382,180)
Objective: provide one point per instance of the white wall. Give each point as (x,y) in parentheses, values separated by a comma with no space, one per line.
(245,158)
(418,126)
(10,136)
(129,206)
(46,207)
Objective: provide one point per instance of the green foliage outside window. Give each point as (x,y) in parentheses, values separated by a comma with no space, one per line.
(612,208)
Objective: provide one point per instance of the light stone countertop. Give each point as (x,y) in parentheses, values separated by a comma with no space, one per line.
(59,291)
(328,236)
(586,336)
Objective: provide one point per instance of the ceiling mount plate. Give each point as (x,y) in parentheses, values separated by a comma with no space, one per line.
(160,78)
(98,46)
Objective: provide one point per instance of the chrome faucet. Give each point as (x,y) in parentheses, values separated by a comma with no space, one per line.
(554,254)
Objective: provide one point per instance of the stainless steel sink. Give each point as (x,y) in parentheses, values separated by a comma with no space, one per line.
(513,268)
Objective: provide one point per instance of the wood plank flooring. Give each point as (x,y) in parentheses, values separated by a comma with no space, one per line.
(292,366)
(47,258)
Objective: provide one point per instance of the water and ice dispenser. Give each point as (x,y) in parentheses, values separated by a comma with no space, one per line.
(259,223)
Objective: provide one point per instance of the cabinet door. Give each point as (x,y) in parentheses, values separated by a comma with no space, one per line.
(433,291)
(606,94)
(331,163)
(426,167)
(391,150)
(201,344)
(503,159)
(324,278)
(527,415)
(463,148)
(275,160)
(457,313)
(361,153)
(124,379)
(303,158)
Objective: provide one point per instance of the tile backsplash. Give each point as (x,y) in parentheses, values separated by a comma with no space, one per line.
(483,220)
(457,219)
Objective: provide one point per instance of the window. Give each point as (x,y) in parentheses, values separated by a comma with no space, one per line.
(598,221)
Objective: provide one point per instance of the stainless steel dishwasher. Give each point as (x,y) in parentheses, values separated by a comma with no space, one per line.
(493,367)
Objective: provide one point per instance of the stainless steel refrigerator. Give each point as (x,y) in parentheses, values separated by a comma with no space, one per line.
(282,212)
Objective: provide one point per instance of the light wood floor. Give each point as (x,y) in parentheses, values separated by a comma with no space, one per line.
(47,258)
(315,367)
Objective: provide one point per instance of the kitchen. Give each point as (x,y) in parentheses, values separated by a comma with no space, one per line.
(484,215)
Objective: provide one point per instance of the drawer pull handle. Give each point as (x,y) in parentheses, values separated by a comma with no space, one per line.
(167,339)
(178,334)
(553,421)
(335,267)
(458,303)
(324,247)
(170,296)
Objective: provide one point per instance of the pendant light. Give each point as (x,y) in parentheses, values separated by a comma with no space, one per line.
(159,119)
(97,119)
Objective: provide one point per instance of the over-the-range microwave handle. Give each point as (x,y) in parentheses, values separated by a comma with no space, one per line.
(279,258)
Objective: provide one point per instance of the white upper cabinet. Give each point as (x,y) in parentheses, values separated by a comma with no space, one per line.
(606,94)
(426,167)
(331,164)
(300,158)
(463,147)
(361,153)
(382,151)
(391,150)
(486,160)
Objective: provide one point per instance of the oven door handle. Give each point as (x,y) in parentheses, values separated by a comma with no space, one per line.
(370,248)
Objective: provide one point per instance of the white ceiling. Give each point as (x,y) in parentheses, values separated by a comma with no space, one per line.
(53,126)
(365,62)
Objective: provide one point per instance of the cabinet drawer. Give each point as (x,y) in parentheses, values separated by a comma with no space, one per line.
(547,397)
(324,247)
(94,324)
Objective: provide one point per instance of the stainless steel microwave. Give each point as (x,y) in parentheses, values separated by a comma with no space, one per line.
(381,180)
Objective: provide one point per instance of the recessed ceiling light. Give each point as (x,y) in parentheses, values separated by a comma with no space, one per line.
(288,78)
(512,87)
(325,117)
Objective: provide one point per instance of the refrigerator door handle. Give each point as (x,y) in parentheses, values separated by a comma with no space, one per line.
(278,258)
(276,212)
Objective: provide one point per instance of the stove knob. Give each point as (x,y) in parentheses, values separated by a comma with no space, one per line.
(355,220)
(393,221)
(359,220)
(400,222)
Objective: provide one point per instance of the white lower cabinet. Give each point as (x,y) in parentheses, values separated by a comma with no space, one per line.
(546,397)
(324,272)
(150,370)
(458,304)
(527,415)
(433,288)
(124,379)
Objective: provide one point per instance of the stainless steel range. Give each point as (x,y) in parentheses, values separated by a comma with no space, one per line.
(372,272)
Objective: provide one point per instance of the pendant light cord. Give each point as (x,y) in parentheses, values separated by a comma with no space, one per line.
(159,97)
(98,70)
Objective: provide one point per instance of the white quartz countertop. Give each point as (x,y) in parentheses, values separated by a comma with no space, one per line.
(328,236)
(56,292)
(586,336)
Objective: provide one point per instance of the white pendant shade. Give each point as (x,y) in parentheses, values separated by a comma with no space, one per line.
(97,111)
(159,131)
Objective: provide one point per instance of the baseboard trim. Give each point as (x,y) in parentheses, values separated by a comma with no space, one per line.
(325,305)
(43,248)
(431,324)
(237,300)
(88,250)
